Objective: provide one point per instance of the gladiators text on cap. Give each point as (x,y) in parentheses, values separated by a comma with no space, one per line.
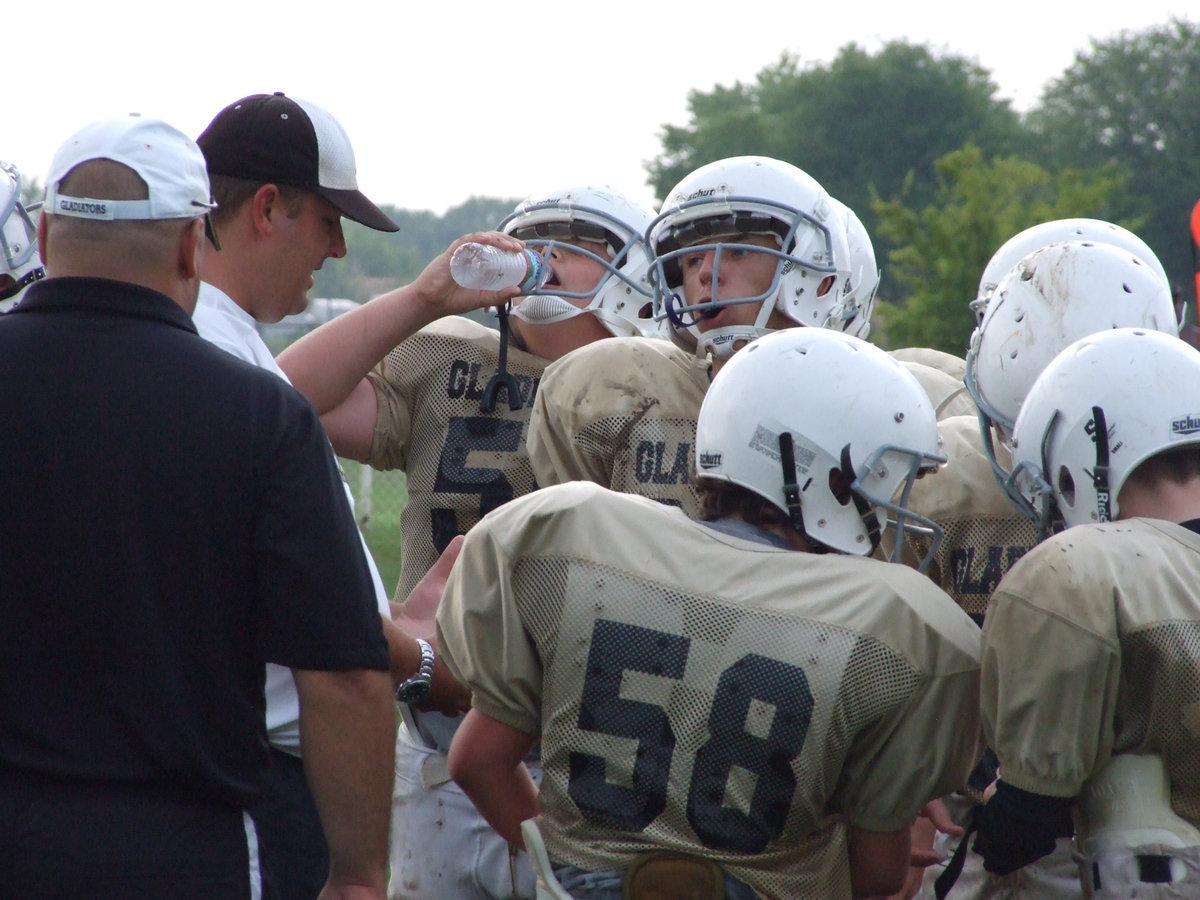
(166,159)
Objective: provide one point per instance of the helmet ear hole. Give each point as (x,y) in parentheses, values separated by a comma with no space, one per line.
(1066,486)
(839,487)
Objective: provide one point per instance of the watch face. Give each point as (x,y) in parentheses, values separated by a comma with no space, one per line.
(414,692)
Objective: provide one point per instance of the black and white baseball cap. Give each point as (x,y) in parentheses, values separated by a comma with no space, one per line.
(281,140)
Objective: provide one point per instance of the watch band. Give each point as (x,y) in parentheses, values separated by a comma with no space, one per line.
(416,687)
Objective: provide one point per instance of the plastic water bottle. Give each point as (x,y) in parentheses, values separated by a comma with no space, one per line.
(486,268)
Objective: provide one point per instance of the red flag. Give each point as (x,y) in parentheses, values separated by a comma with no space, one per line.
(1196,248)
(1191,333)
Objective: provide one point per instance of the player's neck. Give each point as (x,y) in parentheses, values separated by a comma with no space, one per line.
(1162,499)
(794,538)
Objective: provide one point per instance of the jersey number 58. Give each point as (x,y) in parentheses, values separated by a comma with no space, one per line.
(617,647)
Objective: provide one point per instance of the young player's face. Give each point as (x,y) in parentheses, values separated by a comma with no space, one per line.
(742,273)
(577,273)
(572,272)
(306,241)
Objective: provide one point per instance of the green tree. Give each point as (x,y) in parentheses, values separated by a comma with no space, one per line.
(379,260)
(862,124)
(942,248)
(32,191)
(1133,101)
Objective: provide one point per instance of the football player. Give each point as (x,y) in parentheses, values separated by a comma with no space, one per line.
(20,265)
(449,406)
(1051,297)
(1092,641)
(743,246)
(1055,231)
(750,693)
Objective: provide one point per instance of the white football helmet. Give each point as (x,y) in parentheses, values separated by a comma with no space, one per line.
(751,195)
(622,300)
(1035,237)
(1101,408)
(20,265)
(1053,296)
(862,280)
(797,405)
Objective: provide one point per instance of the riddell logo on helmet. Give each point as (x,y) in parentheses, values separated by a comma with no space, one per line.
(710,460)
(1185,425)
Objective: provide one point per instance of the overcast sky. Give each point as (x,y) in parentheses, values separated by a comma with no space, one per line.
(445,100)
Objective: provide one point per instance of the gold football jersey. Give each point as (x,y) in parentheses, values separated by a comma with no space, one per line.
(983,532)
(1091,648)
(954,366)
(622,413)
(702,692)
(460,461)
(948,394)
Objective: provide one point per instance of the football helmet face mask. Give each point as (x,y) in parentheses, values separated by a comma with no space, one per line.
(797,406)
(19,262)
(1090,420)
(860,279)
(1052,297)
(750,195)
(622,299)
(1035,237)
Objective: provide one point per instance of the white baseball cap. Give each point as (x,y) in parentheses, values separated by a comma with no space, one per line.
(165,158)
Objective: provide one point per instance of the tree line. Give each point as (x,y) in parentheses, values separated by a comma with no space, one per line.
(940,169)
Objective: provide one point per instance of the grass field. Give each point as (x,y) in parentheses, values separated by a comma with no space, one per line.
(379,498)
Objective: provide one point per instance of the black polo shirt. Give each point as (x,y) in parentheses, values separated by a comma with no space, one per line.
(171,518)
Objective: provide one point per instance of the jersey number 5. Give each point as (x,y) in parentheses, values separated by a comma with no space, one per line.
(464,435)
(753,679)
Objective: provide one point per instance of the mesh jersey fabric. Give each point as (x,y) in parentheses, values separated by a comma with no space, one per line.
(1091,647)
(460,462)
(699,692)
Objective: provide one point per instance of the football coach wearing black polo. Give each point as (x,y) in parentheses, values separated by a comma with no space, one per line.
(172,519)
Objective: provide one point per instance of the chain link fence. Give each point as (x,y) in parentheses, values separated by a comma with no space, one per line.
(378,499)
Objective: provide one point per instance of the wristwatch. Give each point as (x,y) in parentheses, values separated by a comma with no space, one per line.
(416,687)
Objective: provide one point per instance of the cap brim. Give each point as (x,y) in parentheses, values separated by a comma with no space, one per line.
(354,205)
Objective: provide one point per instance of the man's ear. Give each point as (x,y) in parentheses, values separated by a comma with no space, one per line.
(267,201)
(42,228)
(191,249)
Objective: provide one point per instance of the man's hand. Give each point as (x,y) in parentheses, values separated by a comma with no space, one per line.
(440,292)
(934,817)
(1016,827)
(415,618)
(415,615)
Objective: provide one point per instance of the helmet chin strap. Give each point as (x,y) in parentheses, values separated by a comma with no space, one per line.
(791,488)
(545,309)
(869,519)
(723,342)
(1100,473)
